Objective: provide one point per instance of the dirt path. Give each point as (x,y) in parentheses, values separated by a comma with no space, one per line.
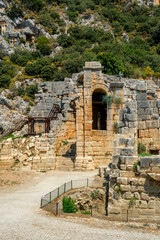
(22,219)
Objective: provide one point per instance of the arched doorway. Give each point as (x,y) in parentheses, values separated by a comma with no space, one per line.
(99,110)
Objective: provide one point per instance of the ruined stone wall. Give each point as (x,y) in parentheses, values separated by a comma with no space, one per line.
(137,192)
(139,196)
(34,153)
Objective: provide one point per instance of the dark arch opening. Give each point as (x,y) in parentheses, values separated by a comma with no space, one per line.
(99,110)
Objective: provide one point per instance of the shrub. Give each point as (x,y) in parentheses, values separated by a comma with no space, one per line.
(22,60)
(20,91)
(34,5)
(108,99)
(33,69)
(86,212)
(60,75)
(15,12)
(117,100)
(21,57)
(47,72)
(132,200)
(115,127)
(65,142)
(42,40)
(148,72)
(32,90)
(36,54)
(45,49)
(46,20)
(141,148)
(22,40)
(69,205)
(26,98)
(5,81)
(94,194)
(135,166)
(111,63)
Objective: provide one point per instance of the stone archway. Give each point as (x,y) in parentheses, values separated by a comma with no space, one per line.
(99,110)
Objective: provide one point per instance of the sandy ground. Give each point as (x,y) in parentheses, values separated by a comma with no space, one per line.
(22,219)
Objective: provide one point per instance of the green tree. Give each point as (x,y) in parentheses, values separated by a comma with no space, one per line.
(48,72)
(34,5)
(32,90)
(15,12)
(156,35)
(43,45)
(45,49)
(42,40)
(111,63)
(4,81)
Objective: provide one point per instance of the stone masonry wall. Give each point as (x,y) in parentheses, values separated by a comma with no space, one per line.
(35,153)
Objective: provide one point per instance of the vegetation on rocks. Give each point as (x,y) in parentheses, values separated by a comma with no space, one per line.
(122,35)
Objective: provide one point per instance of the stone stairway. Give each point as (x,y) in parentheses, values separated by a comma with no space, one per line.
(66,155)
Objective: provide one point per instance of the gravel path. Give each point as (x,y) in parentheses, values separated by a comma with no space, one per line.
(22,219)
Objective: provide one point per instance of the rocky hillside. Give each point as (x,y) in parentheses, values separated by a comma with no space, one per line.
(51,39)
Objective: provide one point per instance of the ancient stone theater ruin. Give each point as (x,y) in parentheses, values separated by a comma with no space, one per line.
(99,118)
(95,120)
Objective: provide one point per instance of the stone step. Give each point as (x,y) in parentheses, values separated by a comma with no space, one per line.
(64,163)
(128,174)
(124,142)
(124,151)
(67,149)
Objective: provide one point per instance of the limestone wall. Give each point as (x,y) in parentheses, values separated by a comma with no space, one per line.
(35,153)
(140,196)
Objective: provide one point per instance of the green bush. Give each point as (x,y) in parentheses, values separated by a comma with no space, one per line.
(36,54)
(21,91)
(69,205)
(108,99)
(28,92)
(117,100)
(21,57)
(48,72)
(15,12)
(33,69)
(45,49)
(95,194)
(115,127)
(111,63)
(36,68)
(42,40)
(135,166)
(5,81)
(47,21)
(141,148)
(43,44)
(34,5)
(32,90)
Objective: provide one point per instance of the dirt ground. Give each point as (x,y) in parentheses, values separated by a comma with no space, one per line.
(10,178)
(22,218)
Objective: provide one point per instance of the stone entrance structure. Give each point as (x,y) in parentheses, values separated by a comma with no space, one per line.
(93,120)
(85,117)
(102,118)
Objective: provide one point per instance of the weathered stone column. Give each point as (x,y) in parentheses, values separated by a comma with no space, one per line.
(92,76)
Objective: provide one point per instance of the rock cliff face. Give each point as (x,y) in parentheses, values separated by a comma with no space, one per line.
(11,111)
